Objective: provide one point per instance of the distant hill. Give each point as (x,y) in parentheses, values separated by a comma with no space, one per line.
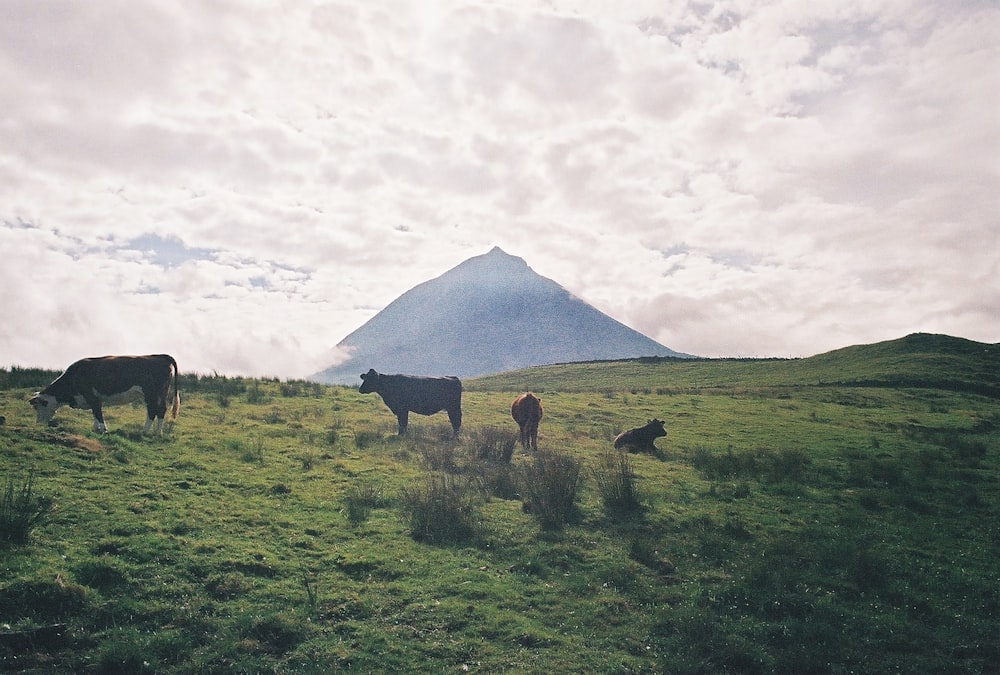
(489,314)
(919,360)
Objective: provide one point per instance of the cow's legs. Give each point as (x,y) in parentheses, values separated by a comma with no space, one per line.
(155,411)
(149,424)
(403,418)
(455,416)
(99,424)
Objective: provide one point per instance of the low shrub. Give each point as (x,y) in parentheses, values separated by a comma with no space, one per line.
(365,439)
(490,450)
(443,510)
(496,479)
(440,457)
(252,453)
(617,483)
(492,444)
(360,499)
(309,458)
(21,511)
(550,484)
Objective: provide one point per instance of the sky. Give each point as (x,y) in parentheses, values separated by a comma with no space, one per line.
(243,183)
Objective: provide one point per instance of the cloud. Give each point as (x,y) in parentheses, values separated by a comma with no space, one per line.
(243,185)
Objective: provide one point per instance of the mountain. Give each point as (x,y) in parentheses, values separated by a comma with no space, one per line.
(489,314)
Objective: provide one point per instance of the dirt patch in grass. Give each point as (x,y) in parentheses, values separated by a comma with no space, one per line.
(81,443)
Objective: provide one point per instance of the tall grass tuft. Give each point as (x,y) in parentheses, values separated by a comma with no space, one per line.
(440,457)
(491,449)
(253,454)
(364,439)
(617,483)
(492,444)
(21,510)
(442,511)
(550,487)
(360,499)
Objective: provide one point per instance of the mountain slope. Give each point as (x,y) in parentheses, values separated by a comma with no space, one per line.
(489,314)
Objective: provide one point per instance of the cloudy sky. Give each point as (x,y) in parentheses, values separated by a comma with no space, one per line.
(242,184)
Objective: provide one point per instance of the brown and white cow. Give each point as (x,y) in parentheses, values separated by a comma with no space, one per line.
(641,438)
(527,412)
(112,380)
(422,395)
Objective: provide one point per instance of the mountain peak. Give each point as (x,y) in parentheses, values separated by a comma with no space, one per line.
(489,314)
(497,258)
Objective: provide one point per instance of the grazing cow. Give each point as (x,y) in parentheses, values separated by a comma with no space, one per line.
(112,380)
(422,395)
(527,412)
(641,439)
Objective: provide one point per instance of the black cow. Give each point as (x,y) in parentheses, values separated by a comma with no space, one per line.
(112,380)
(422,395)
(641,439)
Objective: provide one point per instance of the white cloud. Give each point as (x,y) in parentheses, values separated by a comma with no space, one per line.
(743,178)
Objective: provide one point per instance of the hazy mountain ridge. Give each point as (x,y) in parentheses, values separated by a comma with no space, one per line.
(489,314)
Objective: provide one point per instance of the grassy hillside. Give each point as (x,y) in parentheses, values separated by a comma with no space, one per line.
(936,361)
(281,526)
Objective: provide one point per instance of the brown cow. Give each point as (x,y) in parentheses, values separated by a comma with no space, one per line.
(641,439)
(527,412)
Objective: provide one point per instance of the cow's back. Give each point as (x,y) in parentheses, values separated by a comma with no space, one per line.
(526,408)
(116,374)
(422,395)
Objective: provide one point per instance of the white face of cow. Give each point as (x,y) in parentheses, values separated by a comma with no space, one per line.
(45,407)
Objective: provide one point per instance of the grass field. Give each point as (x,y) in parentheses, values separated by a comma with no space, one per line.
(835,514)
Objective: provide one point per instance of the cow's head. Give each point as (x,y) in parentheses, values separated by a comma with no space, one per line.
(655,428)
(45,407)
(369,382)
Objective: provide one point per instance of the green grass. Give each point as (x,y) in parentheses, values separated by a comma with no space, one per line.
(784,527)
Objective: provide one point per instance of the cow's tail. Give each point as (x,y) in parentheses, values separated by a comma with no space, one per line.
(177,395)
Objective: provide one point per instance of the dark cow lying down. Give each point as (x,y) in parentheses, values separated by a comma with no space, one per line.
(527,412)
(422,395)
(112,380)
(641,439)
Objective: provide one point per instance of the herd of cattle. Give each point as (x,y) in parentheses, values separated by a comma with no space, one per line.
(110,380)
